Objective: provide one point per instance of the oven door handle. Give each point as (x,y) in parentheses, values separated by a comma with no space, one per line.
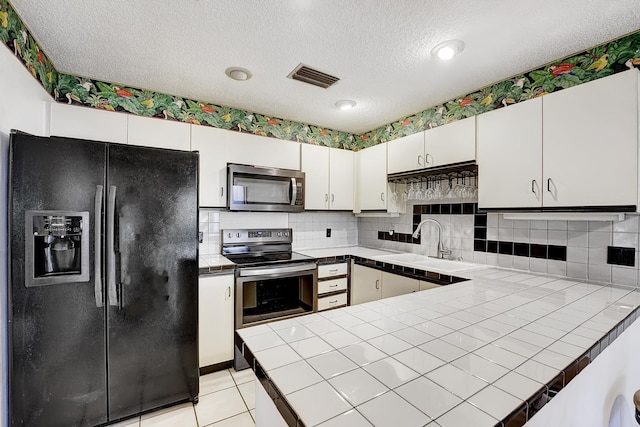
(264,271)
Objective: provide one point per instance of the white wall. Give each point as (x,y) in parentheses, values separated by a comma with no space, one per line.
(22,106)
(602,394)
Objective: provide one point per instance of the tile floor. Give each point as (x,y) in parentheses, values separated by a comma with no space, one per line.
(227,399)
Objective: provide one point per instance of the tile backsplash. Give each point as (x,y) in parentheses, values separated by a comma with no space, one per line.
(309,228)
(600,251)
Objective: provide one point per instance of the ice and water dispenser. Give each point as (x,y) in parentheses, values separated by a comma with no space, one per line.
(57,247)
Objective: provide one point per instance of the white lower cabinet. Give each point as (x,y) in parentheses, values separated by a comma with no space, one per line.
(215,313)
(394,285)
(428,285)
(332,285)
(369,284)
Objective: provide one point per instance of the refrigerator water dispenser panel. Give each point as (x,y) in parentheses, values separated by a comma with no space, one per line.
(57,247)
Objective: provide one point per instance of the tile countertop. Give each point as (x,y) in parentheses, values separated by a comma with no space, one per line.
(214,263)
(359,251)
(489,351)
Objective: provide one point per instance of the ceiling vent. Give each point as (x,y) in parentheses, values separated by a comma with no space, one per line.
(313,77)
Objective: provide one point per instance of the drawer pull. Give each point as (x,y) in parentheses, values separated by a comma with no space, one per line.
(335,270)
(333,286)
(333,302)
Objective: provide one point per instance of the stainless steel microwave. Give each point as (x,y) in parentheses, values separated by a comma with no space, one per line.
(252,188)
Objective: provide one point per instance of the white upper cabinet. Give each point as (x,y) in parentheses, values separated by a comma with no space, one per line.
(159,133)
(88,123)
(211,144)
(451,143)
(328,177)
(341,164)
(371,181)
(574,148)
(590,135)
(510,156)
(249,149)
(315,165)
(406,153)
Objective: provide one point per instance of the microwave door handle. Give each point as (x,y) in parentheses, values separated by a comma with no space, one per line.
(294,191)
(98,246)
(111,255)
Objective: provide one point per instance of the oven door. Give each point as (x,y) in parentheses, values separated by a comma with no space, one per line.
(268,293)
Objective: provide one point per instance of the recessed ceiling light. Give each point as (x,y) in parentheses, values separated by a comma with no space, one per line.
(447,50)
(345,104)
(237,73)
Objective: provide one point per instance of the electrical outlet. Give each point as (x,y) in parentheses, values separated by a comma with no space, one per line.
(328,232)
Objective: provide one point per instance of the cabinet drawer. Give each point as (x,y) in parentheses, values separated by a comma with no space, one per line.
(331,270)
(332,285)
(332,301)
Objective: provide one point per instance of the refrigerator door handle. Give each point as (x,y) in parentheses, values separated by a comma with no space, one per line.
(111,255)
(98,246)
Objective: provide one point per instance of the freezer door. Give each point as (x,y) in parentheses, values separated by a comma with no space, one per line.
(57,365)
(152,243)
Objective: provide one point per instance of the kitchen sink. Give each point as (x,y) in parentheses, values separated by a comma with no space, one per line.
(431,264)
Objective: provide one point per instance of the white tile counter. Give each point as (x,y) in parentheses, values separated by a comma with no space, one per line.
(488,351)
(359,251)
(214,263)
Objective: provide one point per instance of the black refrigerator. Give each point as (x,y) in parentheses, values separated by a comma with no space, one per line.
(103,280)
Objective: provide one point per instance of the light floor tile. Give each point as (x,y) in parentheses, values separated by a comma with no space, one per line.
(219,406)
(248,392)
(182,415)
(306,403)
(133,422)
(241,420)
(428,396)
(392,410)
(243,376)
(466,414)
(217,381)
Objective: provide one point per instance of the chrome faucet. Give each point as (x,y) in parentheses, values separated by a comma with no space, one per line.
(442,250)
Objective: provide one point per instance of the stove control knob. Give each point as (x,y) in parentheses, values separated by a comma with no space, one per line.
(229,235)
(286,234)
(238,235)
(279,234)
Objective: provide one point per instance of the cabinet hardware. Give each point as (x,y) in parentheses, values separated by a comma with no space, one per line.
(333,286)
(333,302)
(533,186)
(377,284)
(228,292)
(326,197)
(333,197)
(549,185)
(382,196)
(420,163)
(335,270)
(426,159)
(221,191)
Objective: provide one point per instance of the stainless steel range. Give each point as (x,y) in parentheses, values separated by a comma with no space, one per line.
(272,282)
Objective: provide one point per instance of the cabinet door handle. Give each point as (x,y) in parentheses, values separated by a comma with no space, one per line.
(426,159)
(549,185)
(377,284)
(533,186)
(326,197)
(221,191)
(382,196)
(420,162)
(228,293)
(333,197)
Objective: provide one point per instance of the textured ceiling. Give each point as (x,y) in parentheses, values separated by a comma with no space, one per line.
(379,49)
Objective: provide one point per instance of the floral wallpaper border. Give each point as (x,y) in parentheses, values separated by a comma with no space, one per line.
(601,61)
